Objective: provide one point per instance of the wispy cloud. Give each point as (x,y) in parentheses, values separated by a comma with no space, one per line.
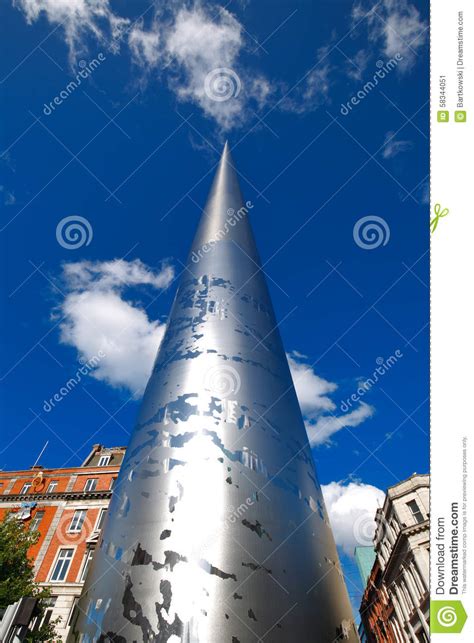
(393,146)
(196,49)
(316,405)
(7,196)
(357,64)
(395,26)
(313,89)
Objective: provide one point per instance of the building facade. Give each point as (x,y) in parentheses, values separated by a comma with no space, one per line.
(395,604)
(68,507)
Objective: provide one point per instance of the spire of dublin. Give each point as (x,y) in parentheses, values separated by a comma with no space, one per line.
(217,530)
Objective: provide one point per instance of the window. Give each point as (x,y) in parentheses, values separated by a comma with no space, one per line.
(77,520)
(112,482)
(91,484)
(74,612)
(41,621)
(26,487)
(37,518)
(104,460)
(52,486)
(87,563)
(100,522)
(415,510)
(62,565)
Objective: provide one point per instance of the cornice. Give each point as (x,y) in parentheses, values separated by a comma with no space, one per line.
(62,495)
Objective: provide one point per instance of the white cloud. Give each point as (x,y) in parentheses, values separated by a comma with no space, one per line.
(98,317)
(199,44)
(357,64)
(392,146)
(145,46)
(190,42)
(118,273)
(396,26)
(8,197)
(312,90)
(310,388)
(323,428)
(78,19)
(317,408)
(351,510)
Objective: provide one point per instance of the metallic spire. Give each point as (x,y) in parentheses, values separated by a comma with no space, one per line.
(217,530)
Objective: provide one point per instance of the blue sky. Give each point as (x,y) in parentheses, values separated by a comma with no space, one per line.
(131,149)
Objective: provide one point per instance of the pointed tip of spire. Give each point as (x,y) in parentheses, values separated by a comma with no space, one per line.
(226,150)
(226,161)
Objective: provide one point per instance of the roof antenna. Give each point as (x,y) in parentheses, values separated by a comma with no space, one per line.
(42,451)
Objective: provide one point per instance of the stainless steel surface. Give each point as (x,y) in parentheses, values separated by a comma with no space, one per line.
(217,530)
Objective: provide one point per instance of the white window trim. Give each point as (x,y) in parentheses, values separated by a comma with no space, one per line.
(95,486)
(101,510)
(88,554)
(42,511)
(55,486)
(26,484)
(53,566)
(77,531)
(107,461)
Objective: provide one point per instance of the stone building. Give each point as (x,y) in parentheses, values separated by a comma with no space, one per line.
(395,604)
(68,507)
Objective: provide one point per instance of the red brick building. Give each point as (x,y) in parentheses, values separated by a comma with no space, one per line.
(68,507)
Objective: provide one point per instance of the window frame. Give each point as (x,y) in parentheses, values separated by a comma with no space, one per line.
(54,484)
(107,461)
(28,485)
(35,518)
(415,512)
(80,522)
(56,562)
(100,518)
(85,565)
(94,486)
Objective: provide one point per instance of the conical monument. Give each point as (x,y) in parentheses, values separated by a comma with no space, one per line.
(217,530)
